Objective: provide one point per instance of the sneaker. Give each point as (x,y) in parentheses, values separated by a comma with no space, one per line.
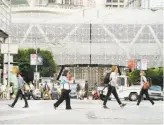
(122,105)
(55,107)
(11,106)
(105,107)
(68,108)
(26,106)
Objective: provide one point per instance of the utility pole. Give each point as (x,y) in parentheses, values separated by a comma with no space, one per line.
(90,27)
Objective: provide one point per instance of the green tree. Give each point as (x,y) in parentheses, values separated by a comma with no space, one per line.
(156,75)
(46,70)
(1,61)
(133,77)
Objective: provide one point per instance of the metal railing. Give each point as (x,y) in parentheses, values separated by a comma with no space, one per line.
(59,6)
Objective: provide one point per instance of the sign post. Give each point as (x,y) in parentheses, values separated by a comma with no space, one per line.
(138,64)
(36,60)
(144,64)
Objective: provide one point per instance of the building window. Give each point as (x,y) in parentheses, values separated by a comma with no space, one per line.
(121,1)
(108,1)
(52,1)
(66,1)
(115,6)
(115,1)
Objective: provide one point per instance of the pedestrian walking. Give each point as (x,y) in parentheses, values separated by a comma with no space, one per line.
(112,86)
(11,89)
(86,89)
(46,91)
(41,90)
(20,92)
(65,90)
(32,89)
(78,91)
(144,88)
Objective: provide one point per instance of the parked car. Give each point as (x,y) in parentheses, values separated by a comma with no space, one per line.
(155,92)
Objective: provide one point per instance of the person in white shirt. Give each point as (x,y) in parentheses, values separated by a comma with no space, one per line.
(32,89)
(65,90)
(112,86)
(143,80)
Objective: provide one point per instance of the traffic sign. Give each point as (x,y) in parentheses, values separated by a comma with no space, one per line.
(36,75)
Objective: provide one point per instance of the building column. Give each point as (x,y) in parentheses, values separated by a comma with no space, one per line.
(100,4)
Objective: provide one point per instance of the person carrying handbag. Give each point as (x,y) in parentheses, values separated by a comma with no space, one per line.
(65,90)
(144,88)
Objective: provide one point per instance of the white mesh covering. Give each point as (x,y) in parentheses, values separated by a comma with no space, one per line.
(115,38)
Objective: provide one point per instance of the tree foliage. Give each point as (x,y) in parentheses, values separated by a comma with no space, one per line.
(156,75)
(1,61)
(46,70)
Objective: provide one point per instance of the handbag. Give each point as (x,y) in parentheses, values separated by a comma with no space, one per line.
(146,85)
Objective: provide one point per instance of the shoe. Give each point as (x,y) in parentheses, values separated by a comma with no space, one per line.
(26,106)
(153,104)
(68,108)
(105,107)
(122,105)
(55,107)
(11,106)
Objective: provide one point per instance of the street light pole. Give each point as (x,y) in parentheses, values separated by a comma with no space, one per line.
(8,85)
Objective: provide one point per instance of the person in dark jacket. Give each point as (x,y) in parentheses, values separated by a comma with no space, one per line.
(78,91)
(20,92)
(65,90)
(86,90)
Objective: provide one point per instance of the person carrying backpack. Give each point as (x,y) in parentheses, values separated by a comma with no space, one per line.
(111,81)
(144,88)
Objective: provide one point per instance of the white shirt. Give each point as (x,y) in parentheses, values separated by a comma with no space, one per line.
(142,80)
(113,78)
(32,87)
(65,83)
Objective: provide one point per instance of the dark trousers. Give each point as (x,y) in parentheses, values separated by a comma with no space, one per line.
(64,96)
(17,96)
(144,91)
(111,89)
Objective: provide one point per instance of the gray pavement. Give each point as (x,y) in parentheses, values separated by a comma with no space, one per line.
(83,112)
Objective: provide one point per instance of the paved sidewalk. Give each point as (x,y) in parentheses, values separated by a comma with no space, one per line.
(84,112)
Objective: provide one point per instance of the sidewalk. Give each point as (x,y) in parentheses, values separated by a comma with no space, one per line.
(84,112)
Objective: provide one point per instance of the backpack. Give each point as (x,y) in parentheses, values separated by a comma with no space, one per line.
(106,79)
